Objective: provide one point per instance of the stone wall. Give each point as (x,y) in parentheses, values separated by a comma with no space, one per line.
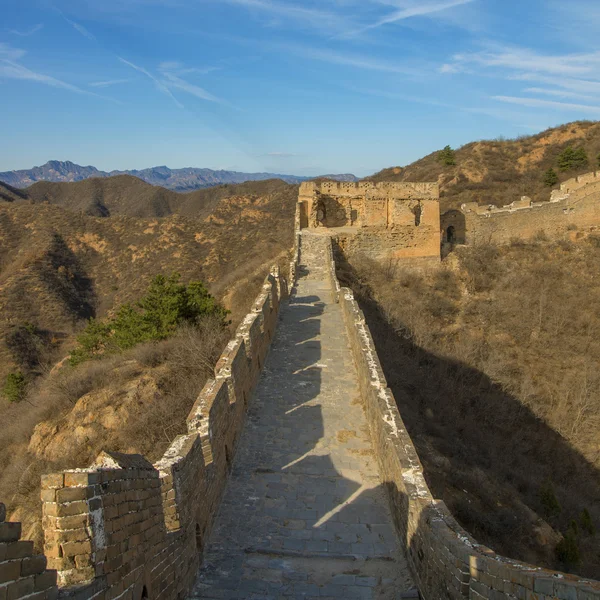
(22,574)
(384,221)
(368,204)
(125,528)
(575,206)
(446,561)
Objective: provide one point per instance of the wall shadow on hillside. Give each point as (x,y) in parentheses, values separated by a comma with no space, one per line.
(66,279)
(484,453)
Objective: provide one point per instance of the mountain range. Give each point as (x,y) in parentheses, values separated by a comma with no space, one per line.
(179,180)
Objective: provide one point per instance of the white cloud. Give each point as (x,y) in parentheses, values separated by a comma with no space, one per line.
(538,103)
(7,52)
(13,70)
(176,82)
(312,16)
(524,59)
(172,71)
(417,10)
(281,154)
(159,84)
(178,68)
(348,59)
(27,32)
(102,84)
(558,93)
(81,29)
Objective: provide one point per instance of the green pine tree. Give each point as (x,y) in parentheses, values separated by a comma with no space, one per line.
(570,158)
(14,387)
(447,156)
(550,178)
(166,305)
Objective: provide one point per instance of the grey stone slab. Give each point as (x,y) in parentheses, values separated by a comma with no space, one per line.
(304,486)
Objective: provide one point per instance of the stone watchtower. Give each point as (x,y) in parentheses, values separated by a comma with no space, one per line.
(381,220)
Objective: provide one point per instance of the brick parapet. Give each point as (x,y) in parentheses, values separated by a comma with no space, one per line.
(446,561)
(22,573)
(125,528)
(371,189)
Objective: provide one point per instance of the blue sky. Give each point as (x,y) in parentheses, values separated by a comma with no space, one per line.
(302,86)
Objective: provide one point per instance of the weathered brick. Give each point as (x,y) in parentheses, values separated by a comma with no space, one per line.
(53,481)
(71,508)
(19,549)
(21,588)
(10,532)
(71,494)
(33,565)
(10,571)
(45,580)
(75,548)
(80,479)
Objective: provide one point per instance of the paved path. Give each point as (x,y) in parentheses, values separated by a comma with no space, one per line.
(304,515)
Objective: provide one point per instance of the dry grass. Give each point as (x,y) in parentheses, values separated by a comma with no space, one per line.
(493,362)
(180,365)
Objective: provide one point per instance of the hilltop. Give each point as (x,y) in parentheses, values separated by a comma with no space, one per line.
(180,180)
(501,171)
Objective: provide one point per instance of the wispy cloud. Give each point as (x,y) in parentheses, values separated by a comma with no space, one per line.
(280,154)
(349,59)
(538,103)
(558,93)
(103,84)
(417,10)
(176,82)
(27,32)
(314,17)
(179,69)
(524,59)
(12,70)
(7,52)
(585,86)
(159,84)
(81,29)
(171,73)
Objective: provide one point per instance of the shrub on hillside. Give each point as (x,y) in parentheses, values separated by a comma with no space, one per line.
(567,550)
(570,158)
(14,387)
(447,156)
(166,305)
(550,178)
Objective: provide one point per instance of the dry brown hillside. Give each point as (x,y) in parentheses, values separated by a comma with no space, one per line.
(500,171)
(61,264)
(493,361)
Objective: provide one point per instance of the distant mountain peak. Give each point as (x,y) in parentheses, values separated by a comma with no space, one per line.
(180,180)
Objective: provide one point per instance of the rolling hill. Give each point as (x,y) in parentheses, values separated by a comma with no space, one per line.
(500,171)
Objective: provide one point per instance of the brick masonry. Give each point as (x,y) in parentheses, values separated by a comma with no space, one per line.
(572,208)
(398,221)
(22,574)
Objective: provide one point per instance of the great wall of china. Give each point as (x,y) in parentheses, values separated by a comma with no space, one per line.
(297,476)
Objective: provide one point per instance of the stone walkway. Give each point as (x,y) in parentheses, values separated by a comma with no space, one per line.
(304,515)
